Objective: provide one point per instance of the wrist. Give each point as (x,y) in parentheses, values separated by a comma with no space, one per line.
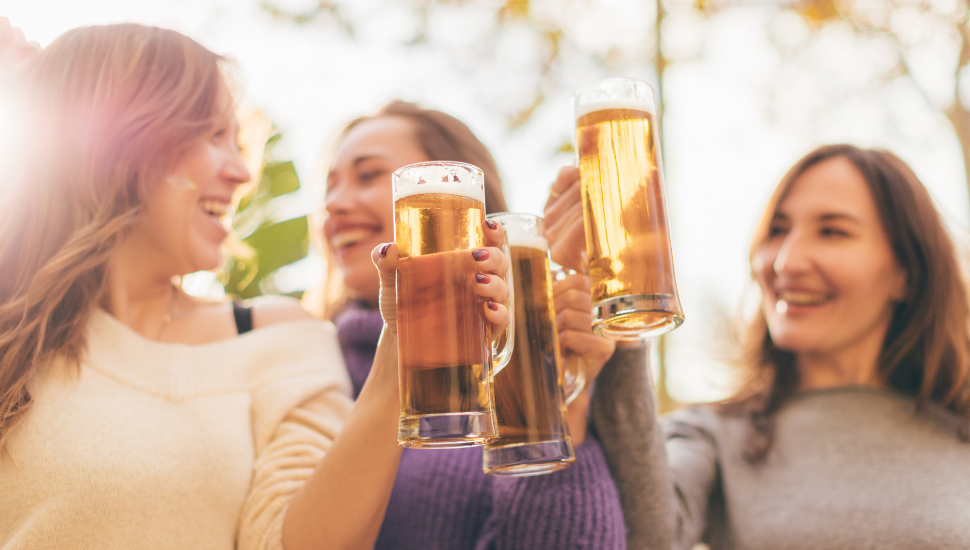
(577,417)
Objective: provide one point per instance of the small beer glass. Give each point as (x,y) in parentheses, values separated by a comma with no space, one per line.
(530,405)
(445,362)
(631,267)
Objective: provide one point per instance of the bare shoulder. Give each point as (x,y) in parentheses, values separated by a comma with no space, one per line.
(272,310)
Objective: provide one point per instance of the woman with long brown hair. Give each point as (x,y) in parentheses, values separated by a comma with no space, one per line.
(131,414)
(441,498)
(849,425)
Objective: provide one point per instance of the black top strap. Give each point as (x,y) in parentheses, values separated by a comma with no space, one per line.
(244,317)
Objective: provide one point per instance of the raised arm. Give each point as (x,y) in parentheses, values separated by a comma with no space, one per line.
(342,504)
(664,503)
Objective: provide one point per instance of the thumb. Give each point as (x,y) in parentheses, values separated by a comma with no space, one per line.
(384,257)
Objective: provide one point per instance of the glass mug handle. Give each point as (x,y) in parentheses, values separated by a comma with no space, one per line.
(574,368)
(502,346)
(574,377)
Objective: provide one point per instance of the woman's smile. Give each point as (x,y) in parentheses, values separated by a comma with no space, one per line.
(348,237)
(795,302)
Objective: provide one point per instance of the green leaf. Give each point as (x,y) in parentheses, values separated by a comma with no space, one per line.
(274,247)
(272,227)
(280,179)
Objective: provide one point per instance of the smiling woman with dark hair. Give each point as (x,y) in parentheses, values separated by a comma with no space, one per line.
(849,425)
(441,498)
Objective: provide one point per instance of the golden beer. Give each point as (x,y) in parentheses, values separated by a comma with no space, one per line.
(630,262)
(530,406)
(444,340)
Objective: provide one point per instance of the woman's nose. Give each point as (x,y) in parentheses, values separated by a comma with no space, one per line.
(793,255)
(235,170)
(337,200)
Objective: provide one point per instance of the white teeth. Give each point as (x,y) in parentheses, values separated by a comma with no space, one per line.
(350,237)
(215,208)
(798,298)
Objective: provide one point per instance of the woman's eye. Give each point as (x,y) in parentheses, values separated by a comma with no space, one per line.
(775,231)
(367,176)
(834,232)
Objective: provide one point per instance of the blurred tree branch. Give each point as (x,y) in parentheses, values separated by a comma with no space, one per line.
(957,112)
(871,20)
(325,11)
(546,22)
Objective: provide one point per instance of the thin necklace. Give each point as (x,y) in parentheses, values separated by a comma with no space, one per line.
(170,309)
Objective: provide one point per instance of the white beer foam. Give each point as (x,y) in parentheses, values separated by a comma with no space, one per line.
(469,191)
(635,104)
(450,180)
(522,232)
(537,243)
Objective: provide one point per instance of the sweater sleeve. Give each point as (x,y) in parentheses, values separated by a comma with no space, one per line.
(664,480)
(692,456)
(577,507)
(295,421)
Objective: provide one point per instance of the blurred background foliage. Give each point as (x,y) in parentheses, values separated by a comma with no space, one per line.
(271,237)
(899,31)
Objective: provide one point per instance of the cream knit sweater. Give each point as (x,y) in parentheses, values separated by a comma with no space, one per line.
(162,446)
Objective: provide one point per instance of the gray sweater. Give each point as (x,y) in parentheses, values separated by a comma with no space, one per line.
(850,467)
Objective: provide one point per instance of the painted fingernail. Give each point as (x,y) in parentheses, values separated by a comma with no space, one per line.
(492,305)
(491,224)
(482,278)
(480,254)
(383,251)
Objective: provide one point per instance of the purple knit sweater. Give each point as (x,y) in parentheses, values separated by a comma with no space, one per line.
(442,500)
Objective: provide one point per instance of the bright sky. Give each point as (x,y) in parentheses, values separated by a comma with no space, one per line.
(739,112)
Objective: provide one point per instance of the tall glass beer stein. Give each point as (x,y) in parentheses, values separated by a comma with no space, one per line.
(445,354)
(530,405)
(631,268)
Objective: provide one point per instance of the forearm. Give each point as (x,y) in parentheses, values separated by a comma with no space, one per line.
(625,418)
(342,504)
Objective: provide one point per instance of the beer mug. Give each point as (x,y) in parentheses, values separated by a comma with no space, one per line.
(631,268)
(445,351)
(530,406)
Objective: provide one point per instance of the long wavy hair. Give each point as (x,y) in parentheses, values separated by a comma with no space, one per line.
(112,108)
(442,137)
(926,352)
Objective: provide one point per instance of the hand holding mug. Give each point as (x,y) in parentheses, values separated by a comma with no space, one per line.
(486,266)
(563,216)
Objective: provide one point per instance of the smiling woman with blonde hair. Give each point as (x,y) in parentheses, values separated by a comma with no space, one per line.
(131,414)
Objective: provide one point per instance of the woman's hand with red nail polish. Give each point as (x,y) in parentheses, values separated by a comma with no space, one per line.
(490,260)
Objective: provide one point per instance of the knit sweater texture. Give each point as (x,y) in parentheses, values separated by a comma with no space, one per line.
(169,446)
(851,467)
(442,500)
